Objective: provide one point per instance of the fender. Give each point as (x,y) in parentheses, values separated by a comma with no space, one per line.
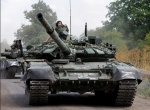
(38,70)
(11,63)
(123,71)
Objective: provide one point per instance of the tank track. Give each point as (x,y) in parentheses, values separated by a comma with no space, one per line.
(126,93)
(38,92)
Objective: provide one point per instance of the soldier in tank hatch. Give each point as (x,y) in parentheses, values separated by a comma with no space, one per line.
(62,31)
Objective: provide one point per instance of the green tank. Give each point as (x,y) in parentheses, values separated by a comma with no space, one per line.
(85,65)
(15,50)
(9,64)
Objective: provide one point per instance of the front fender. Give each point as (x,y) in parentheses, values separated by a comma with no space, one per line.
(39,70)
(125,71)
(11,63)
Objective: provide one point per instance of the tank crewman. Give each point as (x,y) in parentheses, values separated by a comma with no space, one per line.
(62,31)
(14,45)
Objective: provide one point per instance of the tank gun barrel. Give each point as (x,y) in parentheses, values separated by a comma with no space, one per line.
(9,55)
(6,54)
(51,31)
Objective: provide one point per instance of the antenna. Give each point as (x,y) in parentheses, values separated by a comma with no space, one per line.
(86,29)
(70,19)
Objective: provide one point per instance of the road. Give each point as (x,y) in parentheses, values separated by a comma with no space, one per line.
(13,98)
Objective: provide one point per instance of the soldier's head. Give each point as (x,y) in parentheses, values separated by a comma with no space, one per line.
(59,23)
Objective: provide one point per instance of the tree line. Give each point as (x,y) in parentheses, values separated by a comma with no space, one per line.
(130,19)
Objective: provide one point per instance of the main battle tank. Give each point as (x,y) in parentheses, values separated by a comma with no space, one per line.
(9,64)
(77,66)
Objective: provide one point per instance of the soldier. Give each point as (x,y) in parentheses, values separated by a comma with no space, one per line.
(14,45)
(61,29)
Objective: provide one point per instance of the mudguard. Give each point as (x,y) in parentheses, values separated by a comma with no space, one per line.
(2,64)
(38,70)
(11,63)
(125,71)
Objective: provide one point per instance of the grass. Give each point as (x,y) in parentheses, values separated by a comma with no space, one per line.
(144,88)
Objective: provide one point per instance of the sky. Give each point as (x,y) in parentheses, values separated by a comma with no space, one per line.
(91,11)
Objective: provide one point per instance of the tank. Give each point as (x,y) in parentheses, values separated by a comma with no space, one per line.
(85,65)
(15,50)
(9,64)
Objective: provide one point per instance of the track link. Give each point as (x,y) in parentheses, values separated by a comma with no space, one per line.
(38,92)
(126,93)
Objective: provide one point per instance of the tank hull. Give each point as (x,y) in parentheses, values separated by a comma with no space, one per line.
(82,78)
(9,68)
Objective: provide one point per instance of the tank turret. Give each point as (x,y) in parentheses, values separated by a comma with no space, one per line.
(51,31)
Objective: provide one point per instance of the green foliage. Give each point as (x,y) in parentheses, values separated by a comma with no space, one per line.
(38,39)
(35,31)
(130,17)
(26,32)
(146,41)
(111,36)
(98,32)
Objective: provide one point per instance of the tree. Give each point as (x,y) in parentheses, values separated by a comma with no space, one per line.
(41,7)
(145,42)
(130,17)
(147,39)
(31,34)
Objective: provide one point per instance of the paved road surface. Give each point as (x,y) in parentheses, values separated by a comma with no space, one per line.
(13,98)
